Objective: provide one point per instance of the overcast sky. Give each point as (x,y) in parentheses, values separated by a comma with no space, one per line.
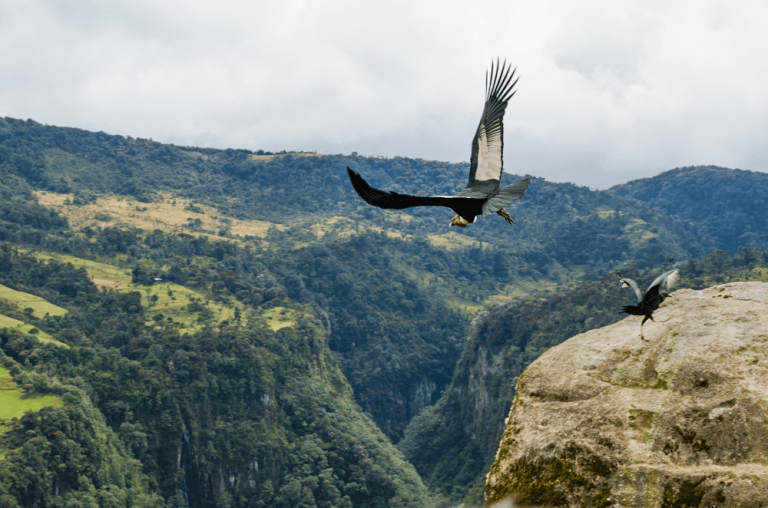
(609,91)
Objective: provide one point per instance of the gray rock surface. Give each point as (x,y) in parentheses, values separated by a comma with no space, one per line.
(607,420)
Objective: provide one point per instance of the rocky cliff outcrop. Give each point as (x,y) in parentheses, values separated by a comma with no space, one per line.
(453,443)
(607,419)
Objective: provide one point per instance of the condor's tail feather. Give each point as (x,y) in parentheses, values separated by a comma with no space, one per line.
(632,309)
(505,196)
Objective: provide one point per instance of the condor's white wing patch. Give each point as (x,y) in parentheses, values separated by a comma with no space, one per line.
(488,145)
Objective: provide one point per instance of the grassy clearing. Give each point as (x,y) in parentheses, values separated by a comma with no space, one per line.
(9,322)
(342,226)
(607,213)
(41,335)
(452,240)
(15,324)
(40,306)
(338,227)
(102,274)
(169,299)
(174,214)
(457,296)
(466,308)
(173,301)
(506,294)
(14,401)
(637,231)
(280,317)
(170,214)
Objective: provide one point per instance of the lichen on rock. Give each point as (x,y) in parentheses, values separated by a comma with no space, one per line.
(607,419)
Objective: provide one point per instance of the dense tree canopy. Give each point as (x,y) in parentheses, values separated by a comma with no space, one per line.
(729,203)
(258,417)
(248,400)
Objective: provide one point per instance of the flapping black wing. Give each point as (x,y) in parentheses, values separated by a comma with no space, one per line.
(650,297)
(488,145)
(395,201)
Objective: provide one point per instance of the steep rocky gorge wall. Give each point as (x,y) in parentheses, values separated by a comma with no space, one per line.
(453,443)
(608,419)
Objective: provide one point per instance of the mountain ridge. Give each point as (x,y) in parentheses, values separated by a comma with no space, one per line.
(563,232)
(728,203)
(281,236)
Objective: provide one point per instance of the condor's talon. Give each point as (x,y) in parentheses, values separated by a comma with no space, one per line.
(506,215)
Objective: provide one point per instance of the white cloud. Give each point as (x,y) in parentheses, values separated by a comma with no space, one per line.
(609,91)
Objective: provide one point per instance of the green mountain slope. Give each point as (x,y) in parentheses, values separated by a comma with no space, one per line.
(62,454)
(227,378)
(392,283)
(230,414)
(557,223)
(729,203)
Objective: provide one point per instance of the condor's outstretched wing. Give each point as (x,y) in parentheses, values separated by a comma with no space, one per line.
(395,201)
(488,146)
(632,284)
(667,278)
(505,196)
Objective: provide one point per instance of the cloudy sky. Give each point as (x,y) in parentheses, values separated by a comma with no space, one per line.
(609,91)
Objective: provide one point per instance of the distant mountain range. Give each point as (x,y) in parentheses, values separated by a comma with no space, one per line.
(393,290)
(558,224)
(729,203)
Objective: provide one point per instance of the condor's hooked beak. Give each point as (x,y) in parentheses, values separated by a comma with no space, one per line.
(459,221)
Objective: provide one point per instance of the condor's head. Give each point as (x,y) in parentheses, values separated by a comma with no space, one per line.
(459,221)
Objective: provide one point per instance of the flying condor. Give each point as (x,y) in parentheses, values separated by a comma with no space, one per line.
(650,300)
(482,195)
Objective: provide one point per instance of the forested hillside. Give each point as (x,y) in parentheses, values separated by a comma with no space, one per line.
(397,339)
(453,443)
(558,224)
(241,329)
(729,203)
(249,411)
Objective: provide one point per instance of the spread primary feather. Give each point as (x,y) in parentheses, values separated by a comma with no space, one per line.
(482,195)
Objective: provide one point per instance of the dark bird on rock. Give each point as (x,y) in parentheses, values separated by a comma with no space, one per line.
(650,300)
(482,195)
